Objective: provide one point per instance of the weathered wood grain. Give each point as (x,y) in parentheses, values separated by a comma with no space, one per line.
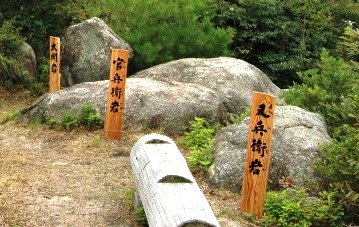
(176,202)
(256,168)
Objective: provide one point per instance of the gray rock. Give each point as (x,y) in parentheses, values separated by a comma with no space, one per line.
(86,52)
(232,78)
(149,104)
(27,56)
(296,135)
(170,106)
(53,105)
(209,88)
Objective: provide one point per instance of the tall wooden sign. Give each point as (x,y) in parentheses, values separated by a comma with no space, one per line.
(116,94)
(54,64)
(256,167)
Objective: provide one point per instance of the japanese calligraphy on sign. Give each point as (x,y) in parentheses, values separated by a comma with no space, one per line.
(116,94)
(256,167)
(54,64)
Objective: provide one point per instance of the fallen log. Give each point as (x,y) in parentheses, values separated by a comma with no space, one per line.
(168,192)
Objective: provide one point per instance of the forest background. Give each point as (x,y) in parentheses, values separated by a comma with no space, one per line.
(308,46)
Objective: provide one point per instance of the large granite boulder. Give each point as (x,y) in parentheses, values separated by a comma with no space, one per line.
(86,52)
(232,78)
(209,88)
(150,104)
(296,136)
(27,56)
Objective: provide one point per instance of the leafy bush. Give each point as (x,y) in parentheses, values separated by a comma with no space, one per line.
(69,120)
(199,141)
(173,29)
(339,171)
(12,73)
(87,117)
(141,216)
(332,90)
(279,37)
(295,208)
(11,70)
(37,20)
(10,39)
(234,118)
(325,90)
(9,116)
(349,46)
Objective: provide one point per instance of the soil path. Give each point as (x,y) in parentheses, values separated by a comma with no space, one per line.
(51,177)
(54,178)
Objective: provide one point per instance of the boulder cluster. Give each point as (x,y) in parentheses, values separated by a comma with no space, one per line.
(169,96)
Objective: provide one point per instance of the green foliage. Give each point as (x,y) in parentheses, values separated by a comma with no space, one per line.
(338,170)
(332,90)
(343,10)
(69,120)
(37,20)
(199,141)
(234,118)
(349,46)
(279,37)
(9,116)
(10,39)
(201,158)
(12,73)
(129,194)
(172,29)
(11,70)
(87,117)
(295,208)
(96,141)
(325,90)
(141,216)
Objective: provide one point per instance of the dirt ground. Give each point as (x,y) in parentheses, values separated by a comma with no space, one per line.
(78,178)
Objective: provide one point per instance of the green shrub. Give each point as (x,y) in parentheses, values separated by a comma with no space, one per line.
(10,39)
(12,71)
(325,90)
(199,141)
(295,208)
(201,158)
(69,120)
(279,37)
(88,116)
(36,21)
(141,216)
(339,170)
(174,29)
(9,116)
(234,118)
(332,90)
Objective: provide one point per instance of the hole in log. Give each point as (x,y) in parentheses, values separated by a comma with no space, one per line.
(157,141)
(174,179)
(197,224)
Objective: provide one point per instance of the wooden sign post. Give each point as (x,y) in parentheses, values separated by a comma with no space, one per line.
(256,167)
(116,94)
(54,64)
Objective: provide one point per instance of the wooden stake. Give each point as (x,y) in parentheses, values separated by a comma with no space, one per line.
(54,85)
(116,94)
(256,167)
